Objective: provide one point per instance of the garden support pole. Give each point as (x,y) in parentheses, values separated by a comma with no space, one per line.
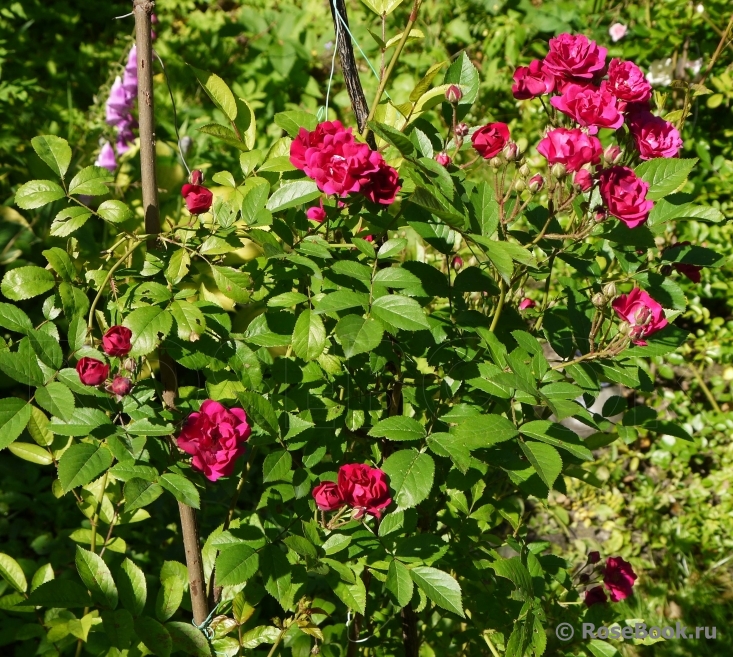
(142,10)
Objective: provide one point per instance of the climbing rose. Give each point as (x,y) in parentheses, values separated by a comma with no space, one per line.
(526,303)
(490,139)
(574,56)
(215,437)
(382,185)
(327,496)
(532,81)
(594,596)
(453,94)
(120,386)
(644,315)
(589,107)
(364,488)
(654,136)
(573,148)
(626,81)
(91,371)
(625,195)
(198,198)
(106,158)
(316,213)
(117,341)
(595,555)
(619,578)
(583,179)
(443,159)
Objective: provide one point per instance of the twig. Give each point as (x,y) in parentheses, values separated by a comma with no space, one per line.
(706,391)
(718,50)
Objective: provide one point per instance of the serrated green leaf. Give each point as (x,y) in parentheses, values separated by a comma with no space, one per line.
(188,639)
(236,564)
(14,416)
(276,466)
(485,430)
(232,283)
(82,422)
(173,577)
(352,595)
(148,325)
(37,193)
(358,335)
(309,336)
(82,463)
(54,151)
(410,477)
(154,636)
(181,488)
(401,312)
(61,263)
(69,219)
(275,569)
(139,493)
(133,589)
(13,318)
(399,583)
(220,94)
(178,266)
(114,211)
(27,282)
(664,175)
(96,576)
(440,587)
(12,573)
(399,427)
(545,459)
(60,593)
(91,181)
(190,321)
(291,194)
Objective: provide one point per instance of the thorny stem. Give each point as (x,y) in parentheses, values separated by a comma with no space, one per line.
(718,50)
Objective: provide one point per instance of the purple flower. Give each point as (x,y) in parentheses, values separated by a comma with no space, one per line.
(125,135)
(106,158)
(118,103)
(129,79)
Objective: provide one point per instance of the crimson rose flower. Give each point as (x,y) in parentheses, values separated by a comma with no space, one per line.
(364,488)
(91,371)
(644,315)
(532,81)
(327,496)
(625,195)
(526,303)
(575,56)
(654,136)
(198,198)
(488,140)
(619,578)
(583,179)
(382,185)
(572,148)
(590,107)
(116,341)
(316,213)
(215,437)
(595,596)
(626,81)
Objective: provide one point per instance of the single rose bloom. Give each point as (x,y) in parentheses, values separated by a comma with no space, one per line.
(595,596)
(654,137)
(364,488)
(382,185)
(215,437)
(117,341)
(627,82)
(583,180)
(532,81)
(92,372)
(575,57)
(120,386)
(327,496)
(617,31)
(198,198)
(693,272)
(589,107)
(624,195)
(571,147)
(316,213)
(644,315)
(526,303)
(619,578)
(490,139)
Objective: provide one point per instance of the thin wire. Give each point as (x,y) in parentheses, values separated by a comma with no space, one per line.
(132,13)
(348,625)
(175,116)
(204,627)
(330,77)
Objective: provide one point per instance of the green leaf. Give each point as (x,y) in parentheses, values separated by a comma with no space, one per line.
(37,193)
(393,136)
(14,319)
(276,466)
(294,120)
(148,325)
(181,488)
(358,335)
(119,628)
(545,459)
(220,94)
(286,300)
(96,576)
(424,84)
(12,573)
(463,73)
(396,277)
(41,576)
(178,266)
(236,564)
(664,175)
(484,210)
(309,336)
(38,427)
(173,577)
(410,476)
(54,151)
(60,593)
(82,463)
(352,595)
(190,321)
(83,421)
(149,427)
(227,135)
(47,348)
(400,312)
(485,430)
(603,649)
(114,211)
(232,283)
(22,364)
(275,569)
(61,263)
(391,248)
(68,220)
(154,636)
(132,587)
(14,416)
(139,493)
(27,282)
(440,587)
(398,427)
(31,452)
(245,123)
(515,571)
(399,583)
(259,635)
(353,270)
(301,546)
(559,436)
(189,639)
(91,181)
(341,300)
(261,411)
(382,7)
(292,194)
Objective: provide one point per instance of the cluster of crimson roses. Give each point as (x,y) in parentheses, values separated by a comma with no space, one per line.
(116,342)
(359,487)
(617,575)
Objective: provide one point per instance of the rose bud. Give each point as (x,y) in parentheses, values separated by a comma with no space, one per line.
(609,290)
(524,170)
(120,386)
(583,180)
(536,183)
(519,185)
(596,595)
(600,215)
(526,303)
(117,341)
(197,177)
(558,171)
(511,152)
(495,163)
(595,555)
(316,213)
(461,130)
(327,496)
(612,155)
(599,300)
(443,159)
(584,578)
(92,372)
(457,263)
(453,94)
(198,198)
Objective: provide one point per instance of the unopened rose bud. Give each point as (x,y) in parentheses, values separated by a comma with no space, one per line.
(599,300)
(583,180)
(443,159)
(623,328)
(495,163)
(511,152)
(600,215)
(197,177)
(594,556)
(609,290)
(524,171)
(120,386)
(129,365)
(461,130)
(612,155)
(584,578)
(453,94)
(457,263)
(315,650)
(536,183)
(520,185)
(558,171)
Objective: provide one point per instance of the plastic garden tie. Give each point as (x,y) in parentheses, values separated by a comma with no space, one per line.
(348,625)
(204,627)
(356,43)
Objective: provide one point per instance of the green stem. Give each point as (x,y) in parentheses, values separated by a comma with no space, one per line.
(499,305)
(95,517)
(546,296)
(276,644)
(706,391)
